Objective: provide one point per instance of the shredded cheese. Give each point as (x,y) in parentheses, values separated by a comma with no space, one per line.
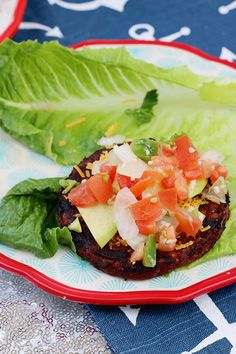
(75,122)
(80,172)
(203,229)
(130,100)
(111,130)
(104,156)
(89,166)
(192,202)
(184,245)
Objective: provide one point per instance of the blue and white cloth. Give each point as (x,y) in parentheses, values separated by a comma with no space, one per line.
(208,323)
(205,24)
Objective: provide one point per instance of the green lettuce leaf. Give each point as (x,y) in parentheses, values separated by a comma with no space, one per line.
(121,58)
(180,75)
(52,100)
(28,218)
(52,97)
(223,91)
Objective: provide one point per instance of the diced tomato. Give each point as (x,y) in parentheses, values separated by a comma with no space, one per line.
(153,175)
(124,181)
(186,154)
(101,187)
(111,170)
(147,227)
(147,209)
(154,184)
(164,160)
(219,171)
(196,173)
(165,166)
(188,223)
(168,182)
(181,186)
(168,198)
(167,151)
(140,186)
(82,196)
(167,239)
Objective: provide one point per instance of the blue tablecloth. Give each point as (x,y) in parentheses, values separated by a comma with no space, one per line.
(207,324)
(201,23)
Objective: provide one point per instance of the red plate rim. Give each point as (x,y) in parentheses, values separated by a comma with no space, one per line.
(18,15)
(131,297)
(178,45)
(117,298)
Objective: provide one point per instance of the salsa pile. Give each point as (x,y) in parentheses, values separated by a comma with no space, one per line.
(154,190)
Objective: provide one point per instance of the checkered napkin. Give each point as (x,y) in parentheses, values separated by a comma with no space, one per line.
(207,324)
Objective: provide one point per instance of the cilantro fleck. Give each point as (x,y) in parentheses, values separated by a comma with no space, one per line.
(145,113)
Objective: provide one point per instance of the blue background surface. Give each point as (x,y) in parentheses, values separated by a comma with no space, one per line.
(168,329)
(210,31)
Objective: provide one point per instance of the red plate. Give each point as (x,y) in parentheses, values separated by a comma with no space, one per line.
(117,298)
(13,26)
(94,296)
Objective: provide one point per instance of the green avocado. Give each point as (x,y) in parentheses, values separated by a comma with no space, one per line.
(150,251)
(75,226)
(99,220)
(195,187)
(144,148)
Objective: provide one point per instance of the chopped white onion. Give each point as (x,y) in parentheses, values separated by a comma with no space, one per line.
(113,159)
(130,165)
(125,198)
(133,169)
(124,220)
(138,254)
(124,153)
(111,140)
(213,156)
(96,166)
(167,221)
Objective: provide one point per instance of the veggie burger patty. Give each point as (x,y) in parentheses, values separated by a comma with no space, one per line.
(120,258)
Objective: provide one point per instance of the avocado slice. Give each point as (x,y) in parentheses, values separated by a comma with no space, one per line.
(144,148)
(149,258)
(99,219)
(75,226)
(195,187)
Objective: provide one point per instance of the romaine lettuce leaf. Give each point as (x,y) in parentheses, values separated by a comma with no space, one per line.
(28,218)
(60,102)
(181,75)
(121,58)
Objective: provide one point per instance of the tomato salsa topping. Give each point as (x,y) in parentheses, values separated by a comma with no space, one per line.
(153,195)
